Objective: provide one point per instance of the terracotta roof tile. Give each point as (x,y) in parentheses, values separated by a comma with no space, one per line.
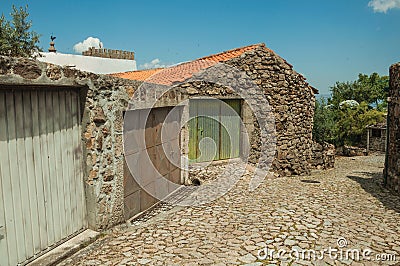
(227,55)
(140,75)
(181,72)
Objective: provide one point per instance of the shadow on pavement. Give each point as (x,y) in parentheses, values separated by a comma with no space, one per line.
(373,184)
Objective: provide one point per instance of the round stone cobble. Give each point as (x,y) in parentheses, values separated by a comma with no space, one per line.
(349,203)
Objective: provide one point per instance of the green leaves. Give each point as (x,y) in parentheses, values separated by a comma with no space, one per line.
(324,122)
(370,89)
(5,33)
(16,37)
(351,123)
(340,123)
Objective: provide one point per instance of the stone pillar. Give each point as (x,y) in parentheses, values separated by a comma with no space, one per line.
(392,167)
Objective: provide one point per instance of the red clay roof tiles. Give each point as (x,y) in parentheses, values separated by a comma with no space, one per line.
(181,72)
(184,71)
(140,75)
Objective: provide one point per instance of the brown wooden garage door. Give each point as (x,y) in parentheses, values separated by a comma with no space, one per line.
(150,158)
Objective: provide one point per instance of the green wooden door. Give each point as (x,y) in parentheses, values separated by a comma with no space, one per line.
(192,124)
(230,129)
(214,130)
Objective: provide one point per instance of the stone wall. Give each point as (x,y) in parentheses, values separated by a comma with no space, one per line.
(109,53)
(378,143)
(103,140)
(323,156)
(392,167)
(377,138)
(103,100)
(351,151)
(292,100)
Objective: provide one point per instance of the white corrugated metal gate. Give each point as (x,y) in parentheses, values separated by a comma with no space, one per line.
(42,199)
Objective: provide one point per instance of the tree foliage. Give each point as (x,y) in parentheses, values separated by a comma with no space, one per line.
(351,123)
(324,122)
(371,89)
(16,37)
(343,124)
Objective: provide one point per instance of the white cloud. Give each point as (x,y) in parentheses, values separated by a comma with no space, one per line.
(384,5)
(89,42)
(155,63)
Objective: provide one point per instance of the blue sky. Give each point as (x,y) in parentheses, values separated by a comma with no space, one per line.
(327,41)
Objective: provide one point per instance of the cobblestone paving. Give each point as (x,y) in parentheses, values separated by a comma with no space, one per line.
(283,213)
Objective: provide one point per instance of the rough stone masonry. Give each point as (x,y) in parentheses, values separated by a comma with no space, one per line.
(292,101)
(392,168)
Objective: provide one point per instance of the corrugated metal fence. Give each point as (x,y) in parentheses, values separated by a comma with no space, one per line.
(42,196)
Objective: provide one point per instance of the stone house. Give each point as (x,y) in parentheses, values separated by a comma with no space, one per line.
(291,98)
(375,138)
(68,150)
(392,163)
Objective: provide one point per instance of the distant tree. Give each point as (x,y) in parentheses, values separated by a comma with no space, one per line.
(371,89)
(324,122)
(342,91)
(5,36)
(351,123)
(16,37)
(342,121)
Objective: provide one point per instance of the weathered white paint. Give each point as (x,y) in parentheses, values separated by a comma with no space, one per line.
(92,64)
(42,199)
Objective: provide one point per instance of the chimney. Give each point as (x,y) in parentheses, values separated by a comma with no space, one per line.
(52,49)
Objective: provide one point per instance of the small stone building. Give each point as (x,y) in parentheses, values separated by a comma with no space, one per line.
(290,97)
(375,138)
(392,165)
